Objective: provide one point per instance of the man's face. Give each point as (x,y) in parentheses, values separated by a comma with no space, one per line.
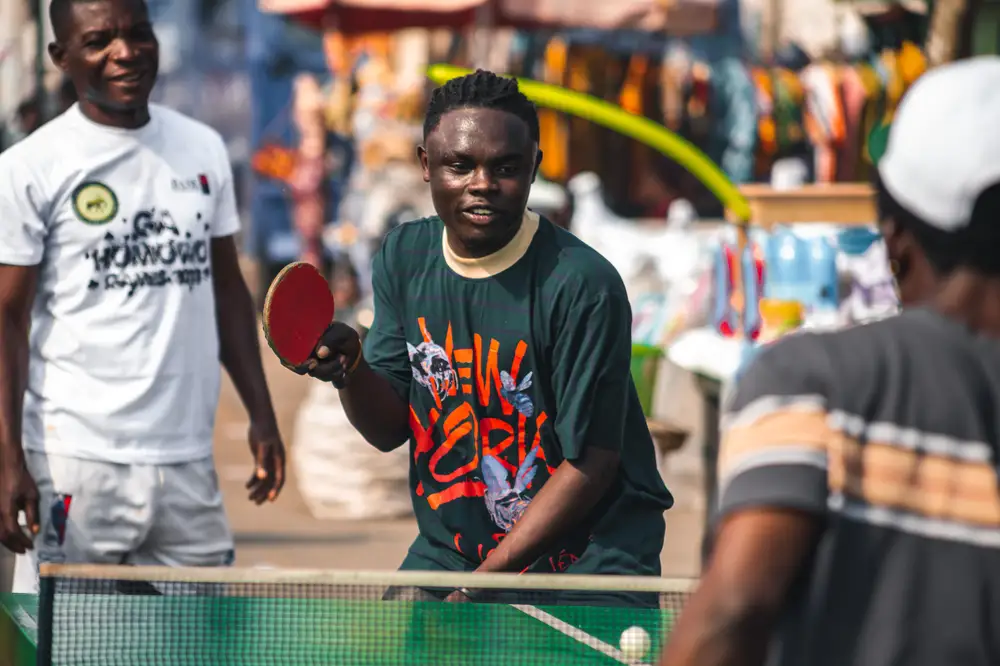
(480,164)
(110,53)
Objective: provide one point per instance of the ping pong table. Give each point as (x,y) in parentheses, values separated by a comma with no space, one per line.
(263,631)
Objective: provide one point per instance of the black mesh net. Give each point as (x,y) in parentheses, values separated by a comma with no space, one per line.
(267,622)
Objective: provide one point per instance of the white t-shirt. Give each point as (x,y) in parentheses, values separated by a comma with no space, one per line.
(124,359)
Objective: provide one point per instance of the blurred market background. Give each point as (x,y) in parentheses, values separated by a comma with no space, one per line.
(321,104)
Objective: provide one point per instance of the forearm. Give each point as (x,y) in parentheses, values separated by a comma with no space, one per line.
(730,619)
(13,381)
(714,631)
(561,505)
(240,351)
(375,409)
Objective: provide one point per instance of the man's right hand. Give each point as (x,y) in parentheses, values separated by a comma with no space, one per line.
(372,405)
(336,355)
(18,492)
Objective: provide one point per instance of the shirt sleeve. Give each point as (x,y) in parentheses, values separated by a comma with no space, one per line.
(385,344)
(22,223)
(591,378)
(226,221)
(775,432)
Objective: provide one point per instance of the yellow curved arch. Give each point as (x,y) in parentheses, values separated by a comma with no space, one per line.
(637,127)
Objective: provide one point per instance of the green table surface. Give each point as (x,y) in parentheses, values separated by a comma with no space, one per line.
(252,631)
(18,629)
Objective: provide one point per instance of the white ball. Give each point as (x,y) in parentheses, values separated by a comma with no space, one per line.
(634,643)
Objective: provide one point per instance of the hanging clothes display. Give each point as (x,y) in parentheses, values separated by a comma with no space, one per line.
(553,125)
(687,89)
(789,96)
(824,118)
(745,118)
(912,63)
(767,134)
(631,97)
(871,115)
(887,66)
(699,95)
(674,71)
(854,95)
(594,71)
(734,137)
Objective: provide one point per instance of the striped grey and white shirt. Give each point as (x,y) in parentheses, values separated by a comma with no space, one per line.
(890,433)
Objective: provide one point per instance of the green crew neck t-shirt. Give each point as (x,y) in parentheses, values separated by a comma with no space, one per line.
(512,364)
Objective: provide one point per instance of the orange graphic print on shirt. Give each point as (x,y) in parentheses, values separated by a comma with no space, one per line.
(479,435)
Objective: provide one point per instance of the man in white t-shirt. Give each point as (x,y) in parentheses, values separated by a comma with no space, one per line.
(117,251)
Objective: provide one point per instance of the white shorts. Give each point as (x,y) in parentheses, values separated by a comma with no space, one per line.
(95,512)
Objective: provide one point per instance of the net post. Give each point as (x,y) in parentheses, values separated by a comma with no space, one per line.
(46,603)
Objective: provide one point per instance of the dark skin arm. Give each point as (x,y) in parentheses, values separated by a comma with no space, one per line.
(240,355)
(386,428)
(17,489)
(372,406)
(730,619)
(561,505)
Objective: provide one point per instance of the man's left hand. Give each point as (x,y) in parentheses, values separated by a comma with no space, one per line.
(269,464)
(457,597)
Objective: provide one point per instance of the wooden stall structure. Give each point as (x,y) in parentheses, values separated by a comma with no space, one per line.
(835,203)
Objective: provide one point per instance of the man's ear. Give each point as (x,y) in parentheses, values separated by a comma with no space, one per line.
(901,248)
(538,163)
(895,238)
(424,164)
(58,55)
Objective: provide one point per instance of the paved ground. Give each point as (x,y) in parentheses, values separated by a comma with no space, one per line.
(284,534)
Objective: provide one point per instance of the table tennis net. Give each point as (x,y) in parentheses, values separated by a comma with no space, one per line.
(152,616)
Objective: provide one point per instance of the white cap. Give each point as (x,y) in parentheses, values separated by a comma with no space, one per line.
(944,143)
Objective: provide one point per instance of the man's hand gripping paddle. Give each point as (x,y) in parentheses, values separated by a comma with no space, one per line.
(298,309)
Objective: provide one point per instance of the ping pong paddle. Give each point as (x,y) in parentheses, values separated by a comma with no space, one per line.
(298,308)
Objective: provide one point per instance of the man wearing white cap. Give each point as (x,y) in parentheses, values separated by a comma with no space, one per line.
(859,515)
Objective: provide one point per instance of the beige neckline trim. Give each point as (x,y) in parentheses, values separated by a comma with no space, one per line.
(499,261)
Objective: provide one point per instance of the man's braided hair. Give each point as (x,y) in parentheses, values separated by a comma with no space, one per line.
(481,90)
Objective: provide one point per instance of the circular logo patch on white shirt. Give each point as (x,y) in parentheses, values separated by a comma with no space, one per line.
(94,203)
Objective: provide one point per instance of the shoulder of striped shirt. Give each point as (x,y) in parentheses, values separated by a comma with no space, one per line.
(881,473)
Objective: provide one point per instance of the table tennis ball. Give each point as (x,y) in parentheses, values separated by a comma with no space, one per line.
(634,643)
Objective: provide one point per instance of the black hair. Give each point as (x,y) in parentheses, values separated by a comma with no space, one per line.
(60,13)
(481,90)
(975,246)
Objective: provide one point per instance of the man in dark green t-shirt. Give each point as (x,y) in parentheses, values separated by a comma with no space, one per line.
(500,349)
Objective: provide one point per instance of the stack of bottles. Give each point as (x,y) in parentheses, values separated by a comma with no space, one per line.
(803,269)
(818,280)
